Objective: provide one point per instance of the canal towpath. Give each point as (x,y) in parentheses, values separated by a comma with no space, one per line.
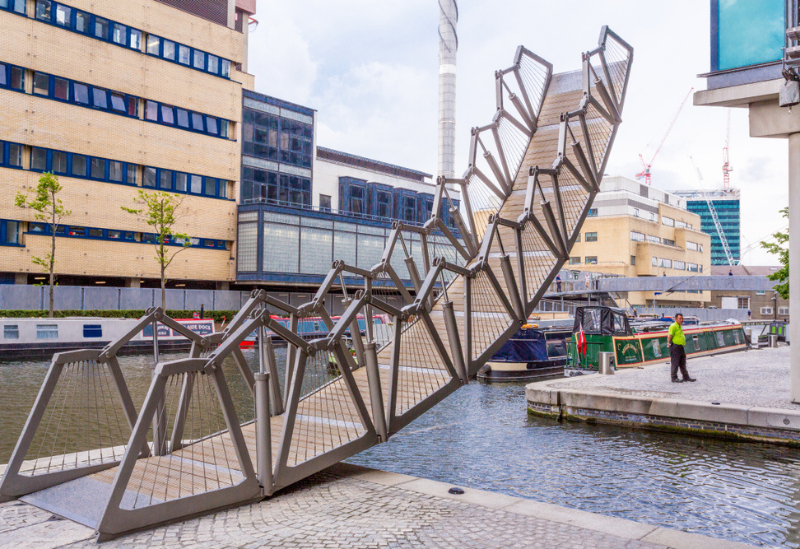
(742,395)
(357,507)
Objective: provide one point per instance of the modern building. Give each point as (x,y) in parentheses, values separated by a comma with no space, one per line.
(304,206)
(726,204)
(755,64)
(637,230)
(763,305)
(114,98)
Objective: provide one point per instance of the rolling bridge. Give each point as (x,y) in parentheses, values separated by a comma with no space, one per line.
(91,454)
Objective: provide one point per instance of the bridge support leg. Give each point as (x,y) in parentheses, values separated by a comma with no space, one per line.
(375,393)
(263,434)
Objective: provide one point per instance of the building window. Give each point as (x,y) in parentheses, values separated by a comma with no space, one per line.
(149,177)
(80,93)
(592,212)
(692,267)
(577,238)
(9,231)
(165,180)
(14,5)
(79,165)
(43,10)
(15,155)
(574,260)
(184,54)
(743,303)
(591,237)
(655,261)
(783,311)
(762,22)
(633,260)
(680,265)
(766,310)
(666,263)
(59,163)
(10,331)
(38,159)
(41,84)
(668,221)
(668,242)
(653,239)
(324,202)
(691,246)
(637,237)
(590,260)
(61,89)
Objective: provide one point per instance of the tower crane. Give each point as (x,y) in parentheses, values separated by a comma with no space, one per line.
(726,165)
(715,217)
(647,165)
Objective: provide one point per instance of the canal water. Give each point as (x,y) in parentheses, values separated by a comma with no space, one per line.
(483,438)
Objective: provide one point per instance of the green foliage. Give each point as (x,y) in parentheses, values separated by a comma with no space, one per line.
(51,210)
(160,213)
(780,248)
(216,315)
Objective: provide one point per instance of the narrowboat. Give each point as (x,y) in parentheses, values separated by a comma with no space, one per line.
(310,328)
(635,344)
(25,338)
(531,354)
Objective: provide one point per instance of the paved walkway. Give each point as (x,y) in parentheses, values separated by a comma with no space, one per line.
(757,378)
(354,507)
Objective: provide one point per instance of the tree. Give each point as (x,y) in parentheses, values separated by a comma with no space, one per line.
(780,248)
(160,213)
(50,209)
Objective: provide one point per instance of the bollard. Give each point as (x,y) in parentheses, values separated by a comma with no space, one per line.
(263,433)
(773,340)
(606,360)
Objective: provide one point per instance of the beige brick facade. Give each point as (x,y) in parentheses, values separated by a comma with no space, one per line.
(43,122)
(615,250)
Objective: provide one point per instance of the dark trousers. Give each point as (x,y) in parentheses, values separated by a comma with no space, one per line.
(677,356)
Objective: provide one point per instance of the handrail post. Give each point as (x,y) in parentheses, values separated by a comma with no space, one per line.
(375,393)
(455,341)
(263,433)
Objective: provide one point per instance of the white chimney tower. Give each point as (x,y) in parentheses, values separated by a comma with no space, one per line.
(448,46)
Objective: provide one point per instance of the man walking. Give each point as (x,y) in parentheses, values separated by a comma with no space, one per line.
(677,354)
(558,283)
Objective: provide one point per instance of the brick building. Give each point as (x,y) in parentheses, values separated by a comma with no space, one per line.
(636,230)
(767,305)
(114,97)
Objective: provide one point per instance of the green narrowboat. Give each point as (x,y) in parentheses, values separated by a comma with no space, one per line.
(607,329)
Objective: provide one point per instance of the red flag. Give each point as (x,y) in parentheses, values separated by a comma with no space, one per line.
(582,342)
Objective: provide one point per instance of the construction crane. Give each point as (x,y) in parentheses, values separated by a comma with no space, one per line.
(647,165)
(726,165)
(714,217)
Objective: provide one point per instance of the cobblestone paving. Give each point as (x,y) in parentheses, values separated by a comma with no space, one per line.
(758,378)
(330,510)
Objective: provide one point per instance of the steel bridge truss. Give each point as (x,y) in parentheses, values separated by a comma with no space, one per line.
(532,176)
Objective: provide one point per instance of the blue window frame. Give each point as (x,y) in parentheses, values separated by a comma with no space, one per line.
(405,204)
(10,233)
(12,77)
(179,182)
(10,155)
(187,56)
(184,119)
(14,6)
(8,227)
(353,195)
(379,199)
(78,93)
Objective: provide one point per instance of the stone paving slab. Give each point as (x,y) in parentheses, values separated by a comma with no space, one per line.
(754,378)
(354,507)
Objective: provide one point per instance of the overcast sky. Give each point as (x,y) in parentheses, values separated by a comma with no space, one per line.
(370,69)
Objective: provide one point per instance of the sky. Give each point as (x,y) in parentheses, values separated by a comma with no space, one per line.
(370,69)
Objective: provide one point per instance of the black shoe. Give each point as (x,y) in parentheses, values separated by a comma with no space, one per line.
(689,379)
(677,381)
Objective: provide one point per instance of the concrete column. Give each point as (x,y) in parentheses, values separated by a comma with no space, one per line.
(223,285)
(133,282)
(20,278)
(794,263)
(231,14)
(246,47)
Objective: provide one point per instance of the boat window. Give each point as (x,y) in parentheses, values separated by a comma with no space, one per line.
(720,339)
(619,323)
(591,320)
(696,342)
(47,331)
(92,330)
(11,331)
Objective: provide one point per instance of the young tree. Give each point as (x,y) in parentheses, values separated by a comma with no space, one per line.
(50,209)
(780,248)
(160,213)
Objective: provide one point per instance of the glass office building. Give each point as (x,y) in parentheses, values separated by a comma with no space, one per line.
(288,239)
(726,204)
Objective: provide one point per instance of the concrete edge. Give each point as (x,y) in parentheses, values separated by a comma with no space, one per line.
(623,528)
(735,414)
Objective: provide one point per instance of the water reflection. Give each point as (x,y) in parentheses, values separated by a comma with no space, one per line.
(741,492)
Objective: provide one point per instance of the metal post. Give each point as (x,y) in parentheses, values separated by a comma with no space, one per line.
(272,369)
(290,359)
(455,341)
(375,392)
(155,342)
(263,433)
(511,285)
